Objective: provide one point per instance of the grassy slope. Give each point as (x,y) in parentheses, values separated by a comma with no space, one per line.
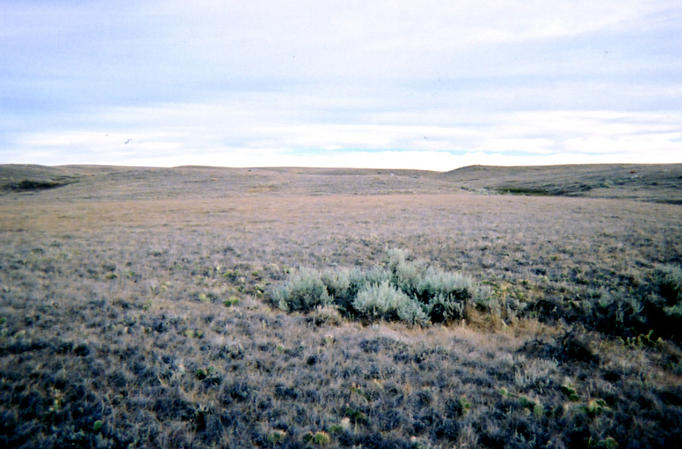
(113,331)
(661,183)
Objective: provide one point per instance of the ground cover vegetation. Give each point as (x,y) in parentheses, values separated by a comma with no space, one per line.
(201,307)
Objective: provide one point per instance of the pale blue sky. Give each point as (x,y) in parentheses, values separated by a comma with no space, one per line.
(399,84)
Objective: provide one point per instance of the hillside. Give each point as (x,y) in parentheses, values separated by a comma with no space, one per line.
(656,183)
(659,183)
(117,183)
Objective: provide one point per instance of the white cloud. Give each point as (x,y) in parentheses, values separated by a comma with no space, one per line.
(252,133)
(432,83)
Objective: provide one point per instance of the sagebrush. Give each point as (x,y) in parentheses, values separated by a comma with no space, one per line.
(401,289)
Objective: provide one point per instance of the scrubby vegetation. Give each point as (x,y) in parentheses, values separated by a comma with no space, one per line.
(669,280)
(651,309)
(163,308)
(400,290)
(411,291)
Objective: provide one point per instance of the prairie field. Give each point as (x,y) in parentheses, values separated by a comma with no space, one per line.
(195,307)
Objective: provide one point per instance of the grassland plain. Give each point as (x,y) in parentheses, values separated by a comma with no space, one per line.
(135,312)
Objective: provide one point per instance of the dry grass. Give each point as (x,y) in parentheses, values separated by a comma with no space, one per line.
(114,331)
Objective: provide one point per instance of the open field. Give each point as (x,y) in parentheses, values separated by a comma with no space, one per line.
(136,308)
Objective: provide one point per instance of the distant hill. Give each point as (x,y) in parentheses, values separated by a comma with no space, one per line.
(122,182)
(659,183)
(22,178)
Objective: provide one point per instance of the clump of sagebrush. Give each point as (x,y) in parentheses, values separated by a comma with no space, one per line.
(669,279)
(377,301)
(400,289)
(303,291)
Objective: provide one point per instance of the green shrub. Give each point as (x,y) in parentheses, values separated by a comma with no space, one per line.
(484,300)
(355,416)
(303,291)
(595,407)
(607,443)
(325,315)
(276,436)
(464,404)
(338,282)
(674,311)
(319,438)
(405,275)
(383,301)
(342,426)
(395,257)
(570,392)
(231,301)
(453,286)
(669,280)
(375,275)
(335,428)
(400,289)
(663,308)
(342,285)
(443,295)
(413,313)
(445,309)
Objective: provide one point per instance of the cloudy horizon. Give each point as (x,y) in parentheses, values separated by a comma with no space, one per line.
(383,84)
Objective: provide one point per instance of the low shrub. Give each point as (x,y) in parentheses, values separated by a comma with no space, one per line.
(303,291)
(319,438)
(399,290)
(384,301)
(451,286)
(669,280)
(662,309)
(325,316)
(276,436)
(338,283)
(405,274)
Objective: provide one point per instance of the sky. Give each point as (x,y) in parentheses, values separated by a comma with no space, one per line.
(423,84)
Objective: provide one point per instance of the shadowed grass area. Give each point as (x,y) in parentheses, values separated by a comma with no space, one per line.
(29,185)
(568,190)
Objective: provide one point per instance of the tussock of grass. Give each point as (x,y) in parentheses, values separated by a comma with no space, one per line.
(401,289)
